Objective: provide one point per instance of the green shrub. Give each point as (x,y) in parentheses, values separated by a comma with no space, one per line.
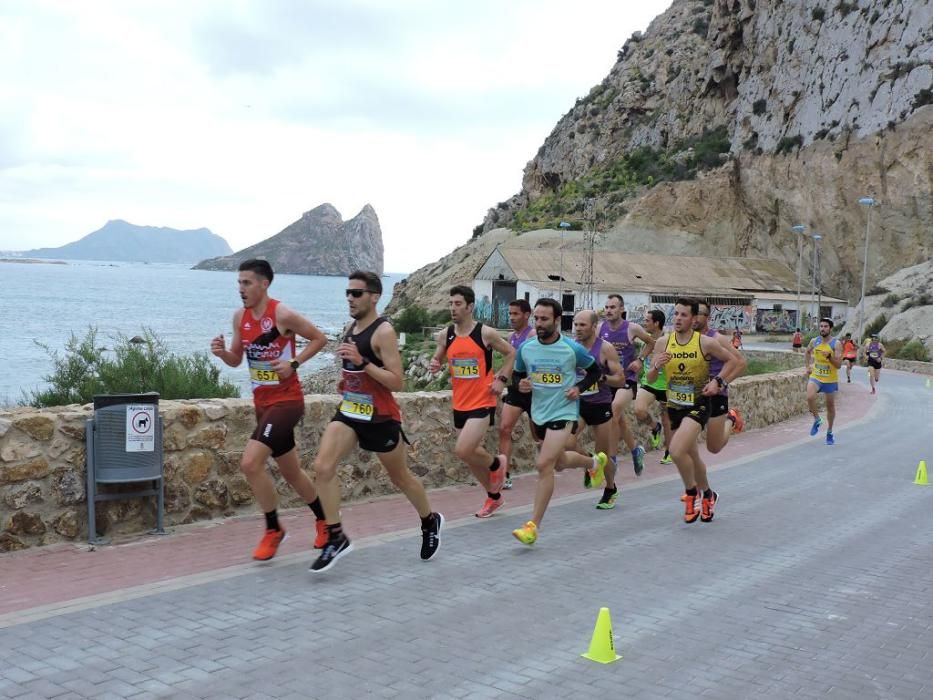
(890,301)
(875,326)
(131,367)
(412,319)
(818,13)
(877,290)
(907,350)
(924,299)
(789,143)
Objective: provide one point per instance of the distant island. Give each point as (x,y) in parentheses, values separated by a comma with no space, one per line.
(121,241)
(319,243)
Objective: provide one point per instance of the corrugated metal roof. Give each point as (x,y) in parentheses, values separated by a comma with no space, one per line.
(805,297)
(654,273)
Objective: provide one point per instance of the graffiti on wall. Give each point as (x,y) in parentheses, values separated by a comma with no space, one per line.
(721,316)
(770,321)
(492,313)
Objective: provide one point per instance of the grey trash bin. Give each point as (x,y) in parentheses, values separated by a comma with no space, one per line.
(124,446)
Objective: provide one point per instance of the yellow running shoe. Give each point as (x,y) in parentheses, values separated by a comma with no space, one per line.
(528,534)
(598,473)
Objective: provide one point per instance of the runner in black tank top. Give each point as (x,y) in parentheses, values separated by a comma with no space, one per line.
(368,416)
(515,402)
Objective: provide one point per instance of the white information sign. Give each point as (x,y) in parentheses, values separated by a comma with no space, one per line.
(140,427)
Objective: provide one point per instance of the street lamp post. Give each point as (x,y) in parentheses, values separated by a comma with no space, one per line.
(798,229)
(870,203)
(816,261)
(563,225)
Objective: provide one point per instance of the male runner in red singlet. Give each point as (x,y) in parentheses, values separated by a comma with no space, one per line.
(515,402)
(264,330)
(468,346)
(369,417)
(849,355)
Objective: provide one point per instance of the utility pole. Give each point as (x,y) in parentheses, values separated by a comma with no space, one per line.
(589,247)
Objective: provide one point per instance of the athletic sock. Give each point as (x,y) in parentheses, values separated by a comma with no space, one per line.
(495,464)
(494,496)
(428,521)
(272,520)
(692,492)
(317,508)
(708,493)
(335,532)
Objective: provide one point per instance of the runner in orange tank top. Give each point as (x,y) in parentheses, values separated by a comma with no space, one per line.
(264,330)
(849,355)
(468,345)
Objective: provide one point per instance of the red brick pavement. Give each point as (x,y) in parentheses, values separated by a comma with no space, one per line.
(59,573)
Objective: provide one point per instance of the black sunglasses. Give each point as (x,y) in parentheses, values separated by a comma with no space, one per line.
(357,293)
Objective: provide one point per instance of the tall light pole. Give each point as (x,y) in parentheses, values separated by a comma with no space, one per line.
(816,261)
(798,229)
(870,203)
(563,225)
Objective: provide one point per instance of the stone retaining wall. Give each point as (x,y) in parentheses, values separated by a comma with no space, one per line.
(42,459)
(909,366)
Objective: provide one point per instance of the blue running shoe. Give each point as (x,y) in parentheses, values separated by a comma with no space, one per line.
(830,440)
(638,460)
(815,428)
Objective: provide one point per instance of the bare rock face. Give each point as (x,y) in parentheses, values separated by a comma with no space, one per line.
(789,113)
(319,243)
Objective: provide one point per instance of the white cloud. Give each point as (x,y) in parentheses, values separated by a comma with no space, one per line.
(239,116)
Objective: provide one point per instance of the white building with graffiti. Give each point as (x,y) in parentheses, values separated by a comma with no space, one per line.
(749,293)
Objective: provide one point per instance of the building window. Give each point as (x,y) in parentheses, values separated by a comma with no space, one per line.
(778,307)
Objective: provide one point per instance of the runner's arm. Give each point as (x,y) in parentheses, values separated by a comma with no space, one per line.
(712,347)
(299,325)
(653,372)
(739,357)
(808,356)
(647,349)
(495,341)
(610,358)
(836,358)
(234,356)
(385,345)
(440,352)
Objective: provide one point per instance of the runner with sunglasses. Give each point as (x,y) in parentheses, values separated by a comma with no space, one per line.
(369,418)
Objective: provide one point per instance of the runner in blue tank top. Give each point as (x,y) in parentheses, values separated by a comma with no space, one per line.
(515,402)
(596,400)
(622,334)
(548,366)
(723,421)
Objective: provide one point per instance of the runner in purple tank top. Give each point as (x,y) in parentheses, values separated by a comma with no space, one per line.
(596,401)
(515,402)
(723,421)
(622,334)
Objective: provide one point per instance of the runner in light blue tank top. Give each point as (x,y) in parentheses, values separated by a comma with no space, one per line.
(552,370)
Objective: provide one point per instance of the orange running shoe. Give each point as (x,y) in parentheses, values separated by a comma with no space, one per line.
(737,420)
(489,507)
(320,537)
(497,478)
(691,512)
(269,545)
(707,506)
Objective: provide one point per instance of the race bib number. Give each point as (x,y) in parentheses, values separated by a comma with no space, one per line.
(546,376)
(681,394)
(590,390)
(822,370)
(874,355)
(464,368)
(262,374)
(357,406)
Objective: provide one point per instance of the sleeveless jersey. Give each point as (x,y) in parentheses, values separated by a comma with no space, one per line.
(598,392)
(823,371)
(687,371)
(262,344)
(849,350)
(797,339)
(622,343)
(552,369)
(660,382)
(470,364)
(365,399)
(874,350)
(715,364)
(516,339)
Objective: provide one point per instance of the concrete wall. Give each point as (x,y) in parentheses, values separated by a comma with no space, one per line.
(42,458)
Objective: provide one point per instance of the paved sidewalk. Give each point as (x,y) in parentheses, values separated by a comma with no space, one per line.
(811,582)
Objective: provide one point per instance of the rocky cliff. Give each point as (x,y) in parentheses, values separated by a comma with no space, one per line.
(729,121)
(319,243)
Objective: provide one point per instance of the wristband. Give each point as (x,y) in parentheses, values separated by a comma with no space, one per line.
(294,364)
(502,378)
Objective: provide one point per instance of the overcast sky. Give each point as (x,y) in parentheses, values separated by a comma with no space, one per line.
(239,116)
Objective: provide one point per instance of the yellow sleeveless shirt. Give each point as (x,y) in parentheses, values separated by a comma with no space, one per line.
(824,371)
(687,371)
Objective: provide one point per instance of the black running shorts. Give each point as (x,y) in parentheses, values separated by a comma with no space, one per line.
(461,417)
(659,394)
(383,436)
(514,397)
(698,412)
(275,425)
(718,405)
(595,413)
(874,364)
(541,430)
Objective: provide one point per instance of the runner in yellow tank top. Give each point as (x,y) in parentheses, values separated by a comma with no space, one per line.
(685,359)
(824,358)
